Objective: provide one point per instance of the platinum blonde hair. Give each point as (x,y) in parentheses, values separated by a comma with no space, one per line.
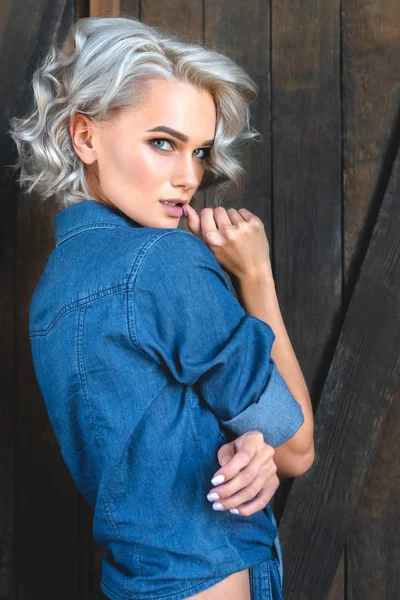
(105,66)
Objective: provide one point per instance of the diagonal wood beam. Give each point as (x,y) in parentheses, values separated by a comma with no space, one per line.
(361,383)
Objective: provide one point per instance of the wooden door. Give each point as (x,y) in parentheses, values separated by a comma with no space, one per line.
(325,182)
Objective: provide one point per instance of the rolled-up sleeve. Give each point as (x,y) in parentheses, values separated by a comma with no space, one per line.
(278,412)
(184,316)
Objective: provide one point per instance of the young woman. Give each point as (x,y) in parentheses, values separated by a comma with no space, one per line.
(162,388)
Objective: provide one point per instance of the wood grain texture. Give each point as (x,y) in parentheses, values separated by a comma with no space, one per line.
(242,33)
(178,17)
(8,361)
(373,548)
(40,491)
(306,129)
(104,8)
(362,382)
(307,197)
(371,101)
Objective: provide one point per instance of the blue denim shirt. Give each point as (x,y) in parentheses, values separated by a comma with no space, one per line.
(147,364)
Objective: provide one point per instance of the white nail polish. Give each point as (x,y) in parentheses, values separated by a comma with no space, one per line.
(213,496)
(218,479)
(234,511)
(218,506)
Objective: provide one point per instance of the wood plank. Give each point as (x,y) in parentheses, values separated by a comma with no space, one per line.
(182,18)
(373,546)
(306,154)
(306,129)
(104,8)
(362,382)
(7,341)
(371,97)
(46,516)
(243,35)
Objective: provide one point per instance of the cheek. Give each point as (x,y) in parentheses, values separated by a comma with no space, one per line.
(141,166)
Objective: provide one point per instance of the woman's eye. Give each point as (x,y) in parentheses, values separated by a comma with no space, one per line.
(155,143)
(205,151)
(162,141)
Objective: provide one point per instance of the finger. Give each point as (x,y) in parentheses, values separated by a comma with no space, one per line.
(251,491)
(207,222)
(245,479)
(246,446)
(240,460)
(221,217)
(234,216)
(260,502)
(245,214)
(225,453)
(193,221)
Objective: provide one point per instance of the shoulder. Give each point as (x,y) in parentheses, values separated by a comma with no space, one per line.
(175,248)
(178,255)
(181,243)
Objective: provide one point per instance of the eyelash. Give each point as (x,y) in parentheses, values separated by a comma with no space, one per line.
(206,151)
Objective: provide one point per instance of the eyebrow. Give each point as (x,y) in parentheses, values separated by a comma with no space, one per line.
(177,134)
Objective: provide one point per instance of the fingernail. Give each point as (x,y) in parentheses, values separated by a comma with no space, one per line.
(234,511)
(184,211)
(218,506)
(213,496)
(218,479)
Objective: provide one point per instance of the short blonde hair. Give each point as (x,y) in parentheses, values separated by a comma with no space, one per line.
(104,67)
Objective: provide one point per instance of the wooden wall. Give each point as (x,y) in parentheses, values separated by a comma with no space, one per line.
(325,182)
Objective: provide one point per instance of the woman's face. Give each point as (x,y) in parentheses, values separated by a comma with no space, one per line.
(131,168)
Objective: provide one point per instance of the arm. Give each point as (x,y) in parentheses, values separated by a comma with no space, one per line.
(257,295)
(184,316)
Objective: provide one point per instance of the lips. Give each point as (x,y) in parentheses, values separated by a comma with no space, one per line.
(173,211)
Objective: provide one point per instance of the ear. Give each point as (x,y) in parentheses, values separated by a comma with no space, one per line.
(82,131)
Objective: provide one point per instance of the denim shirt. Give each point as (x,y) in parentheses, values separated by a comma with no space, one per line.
(148,364)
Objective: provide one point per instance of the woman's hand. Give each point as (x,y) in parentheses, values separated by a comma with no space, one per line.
(249,469)
(236,238)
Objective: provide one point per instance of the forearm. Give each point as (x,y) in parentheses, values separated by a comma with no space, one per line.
(257,295)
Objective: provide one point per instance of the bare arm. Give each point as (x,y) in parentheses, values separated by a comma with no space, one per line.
(257,295)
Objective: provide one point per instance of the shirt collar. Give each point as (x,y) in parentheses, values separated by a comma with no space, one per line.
(89,214)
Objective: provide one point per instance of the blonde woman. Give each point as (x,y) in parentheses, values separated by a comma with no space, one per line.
(168,406)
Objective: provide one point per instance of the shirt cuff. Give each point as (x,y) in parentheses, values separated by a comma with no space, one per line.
(276,413)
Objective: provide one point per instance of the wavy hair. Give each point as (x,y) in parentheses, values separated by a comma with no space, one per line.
(102,68)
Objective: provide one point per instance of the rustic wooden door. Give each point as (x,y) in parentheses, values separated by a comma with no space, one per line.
(326,183)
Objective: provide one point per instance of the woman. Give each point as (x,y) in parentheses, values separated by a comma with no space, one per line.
(155,378)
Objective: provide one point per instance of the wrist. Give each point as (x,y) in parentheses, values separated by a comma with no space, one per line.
(260,275)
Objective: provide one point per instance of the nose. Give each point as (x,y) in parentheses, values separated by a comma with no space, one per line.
(188,172)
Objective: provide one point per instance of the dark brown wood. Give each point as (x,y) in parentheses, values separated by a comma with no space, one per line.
(104,8)
(371,100)
(243,35)
(307,236)
(373,555)
(361,384)
(7,343)
(294,183)
(337,592)
(36,497)
(306,129)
